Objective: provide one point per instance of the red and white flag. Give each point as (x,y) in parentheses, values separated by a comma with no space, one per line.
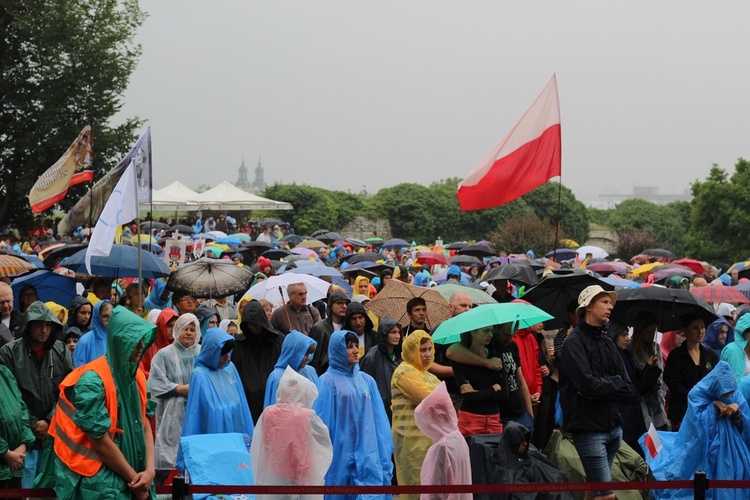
(528,156)
(652,441)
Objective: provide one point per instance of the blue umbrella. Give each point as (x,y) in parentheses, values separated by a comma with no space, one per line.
(229,240)
(122,262)
(396,243)
(33,259)
(152,247)
(316,269)
(562,254)
(49,287)
(621,283)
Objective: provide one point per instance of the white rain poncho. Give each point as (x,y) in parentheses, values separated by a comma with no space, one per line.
(170,367)
(291,444)
(447,460)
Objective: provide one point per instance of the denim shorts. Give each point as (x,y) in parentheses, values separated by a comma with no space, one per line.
(597,452)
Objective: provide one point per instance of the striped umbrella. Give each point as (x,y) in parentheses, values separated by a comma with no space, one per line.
(712,293)
(13,266)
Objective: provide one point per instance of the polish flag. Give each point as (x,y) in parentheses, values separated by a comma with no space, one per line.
(652,441)
(528,156)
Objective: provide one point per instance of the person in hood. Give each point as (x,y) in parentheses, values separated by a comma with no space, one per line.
(169,382)
(39,363)
(216,403)
(281,457)
(79,317)
(348,405)
(411,383)
(256,354)
(737,353)
(447,460)
(381,360)
(94,343)
(453,275)
(104,407)
(160,297)
(296,352)
(15,433)
(361,286)
(357,321)
(165,322)
(322,330)
(207,317)
(718,335)
(714,437)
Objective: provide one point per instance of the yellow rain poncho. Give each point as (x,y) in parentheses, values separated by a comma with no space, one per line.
(411,383)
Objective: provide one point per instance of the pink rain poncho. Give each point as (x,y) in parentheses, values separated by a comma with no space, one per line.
(447,460)
(291,444)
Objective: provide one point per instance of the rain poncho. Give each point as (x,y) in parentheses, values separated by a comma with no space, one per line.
(712,332)
(162,338)
(72,324)
(87,396)
(57,309)
(216,402)
(716,445)
(380,365)
(93,344)
(291,444)
(447,460)
(14,422)
(154,300)
(734,353)
(293,350)
(172,366)
(349,405)
(411,383)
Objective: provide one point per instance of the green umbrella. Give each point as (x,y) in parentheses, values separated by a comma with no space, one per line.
(478,297)
(374,240)
(521,315)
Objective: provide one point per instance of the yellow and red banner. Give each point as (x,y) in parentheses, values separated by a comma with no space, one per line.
(52,186)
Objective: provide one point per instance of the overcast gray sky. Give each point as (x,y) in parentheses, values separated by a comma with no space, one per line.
(352,94)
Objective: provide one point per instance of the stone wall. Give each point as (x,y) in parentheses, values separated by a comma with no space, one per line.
(603,239)
(362,228)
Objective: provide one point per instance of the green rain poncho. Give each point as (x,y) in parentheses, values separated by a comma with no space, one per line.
(125,331)
(14,422)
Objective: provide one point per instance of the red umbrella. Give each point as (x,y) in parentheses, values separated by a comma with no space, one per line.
(432,258)
(712,293)
(693,264)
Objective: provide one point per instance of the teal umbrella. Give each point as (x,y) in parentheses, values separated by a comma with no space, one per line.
(478,296)
(521,315)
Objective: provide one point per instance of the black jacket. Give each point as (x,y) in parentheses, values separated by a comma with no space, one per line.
(681,374)
(378,364)
(593,379)
(321,333)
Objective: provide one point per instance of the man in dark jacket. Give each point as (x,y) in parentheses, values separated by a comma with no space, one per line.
(11,318)
(593,378)
(357,321)
(255,354)
(39,363)
(322,330)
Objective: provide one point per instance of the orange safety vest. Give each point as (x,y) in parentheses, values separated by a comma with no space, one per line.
(71,444)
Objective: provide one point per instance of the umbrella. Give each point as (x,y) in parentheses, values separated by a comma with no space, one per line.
(514,271)
(562,254)
(150,224)
(737,266)
(659,252)
(364,257)
(294,239)
(49,286)
(33,260)
(466,260)
(357,242)
(312,244)
(360,271)
(181,228)
(668,304)
(317,269)
(456,245)
(568,243)
(432,258)
(519,314)
(694,265)
(304,251)
(556,291)
(152,247)
(276,253)
(374,241)
(744,288)
(478,296)
(317,289)
(53,246)
(52,258)
(603,268)
(330,236)
(13,266)
(209,278)
(260,246)
(620,282)
(317,233)
(442,277)
(396,243)
(215,235)
(229,240)
(596,252)
(719,293)
(392,299)
(122,262)
(667,270)
(244,238)
(478,250)
(270,222)
(295,257)
(643,270)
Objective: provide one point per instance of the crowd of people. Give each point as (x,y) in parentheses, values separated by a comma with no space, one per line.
(105,389)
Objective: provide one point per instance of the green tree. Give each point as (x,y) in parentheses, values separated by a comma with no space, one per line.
(64,64)
(574,219)
(664,222)
(519,233)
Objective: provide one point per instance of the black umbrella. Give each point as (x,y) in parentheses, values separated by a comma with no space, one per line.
(659,252)
(466,260)
(182,228)
(318,233)
(562,254)
(364,257)
(52,259)
(356,242)
(210,278)
(276,253)
(293,238)
(270,222)
(478,251)
(458,245)
(520,273)
(258,246)
(555,292)
(154,225)
(668,304)
(331,235)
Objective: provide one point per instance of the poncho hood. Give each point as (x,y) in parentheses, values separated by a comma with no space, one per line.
(294,389)
(165,316)
(435,415)
(97,327)
(295,346)
(742,325)
(213,342)
(37,311)
(126,329)
(179,328)
(712,332)
(513,435)
(338,360)
(410,350)
(154,301)
(253,313)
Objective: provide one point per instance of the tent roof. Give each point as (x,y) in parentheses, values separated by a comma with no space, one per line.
(177,190)
(227,195)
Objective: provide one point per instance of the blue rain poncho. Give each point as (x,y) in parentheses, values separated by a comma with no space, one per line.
(154,300)
(351,407)
(216,402)
(93,344)
(293,350)
(712,332)
(734,353)
(170,367)
(716,445)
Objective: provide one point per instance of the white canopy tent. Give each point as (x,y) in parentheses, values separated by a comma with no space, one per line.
(225,196)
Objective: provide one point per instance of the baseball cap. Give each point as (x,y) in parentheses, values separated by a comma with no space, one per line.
(588,294)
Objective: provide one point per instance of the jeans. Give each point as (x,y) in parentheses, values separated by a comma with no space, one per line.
(524,419)
(597,452)
(32,464)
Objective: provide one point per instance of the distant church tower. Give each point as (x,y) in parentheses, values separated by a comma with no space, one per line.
(242,181)
(259,184)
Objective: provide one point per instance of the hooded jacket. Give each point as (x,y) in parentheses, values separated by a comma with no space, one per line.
(380,365)
(712,332)
(411,383)
(734,353)
(322,330)
(528,350)
(72,325)
(93,344)
(371,338)
(162,339)
(38,377)
(357,423)
(154,300)
(14,422)
(256,355)
(293,350)
(216,402)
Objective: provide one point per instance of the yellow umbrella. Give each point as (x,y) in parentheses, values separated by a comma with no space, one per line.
(643,270)
(568,243)
(143,238)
